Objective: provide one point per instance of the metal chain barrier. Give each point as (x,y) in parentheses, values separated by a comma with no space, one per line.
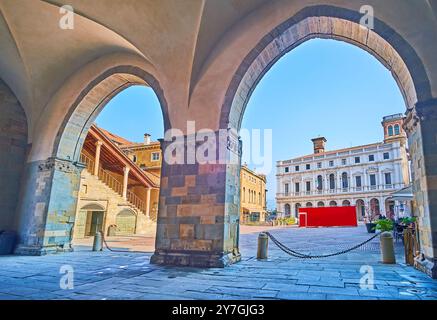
(120,250)
(306,256)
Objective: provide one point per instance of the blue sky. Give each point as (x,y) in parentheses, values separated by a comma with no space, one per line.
(321,88)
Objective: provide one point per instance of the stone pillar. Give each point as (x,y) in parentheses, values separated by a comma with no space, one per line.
(125,181)
(148,191)
(198,218)
(97,157)
(47,208)
(421,127)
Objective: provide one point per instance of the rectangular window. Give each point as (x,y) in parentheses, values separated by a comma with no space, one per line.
(387,178)
(319,165)
(343,162)
(358,181)
(331,163)
(155,156)
(286,169)
(357,160)
(386,155)
(286,188)
(372,180)
(296,168)
(308,166)
(371,157)
(297,187)
(308,185)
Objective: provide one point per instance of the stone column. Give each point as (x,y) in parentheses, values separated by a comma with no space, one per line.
(421,128)
(97,157)
(198,218)
(148,191)
(48,206)
(125,181)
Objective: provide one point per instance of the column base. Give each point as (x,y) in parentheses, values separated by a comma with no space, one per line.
(426,265)
(40,251)
(194,259)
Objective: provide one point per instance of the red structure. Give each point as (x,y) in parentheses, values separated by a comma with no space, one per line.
(328,217)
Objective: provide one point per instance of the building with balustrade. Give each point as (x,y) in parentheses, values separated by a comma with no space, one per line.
(362,176)
(114,191)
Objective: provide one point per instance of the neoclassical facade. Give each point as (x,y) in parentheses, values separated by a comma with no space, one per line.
(362,176)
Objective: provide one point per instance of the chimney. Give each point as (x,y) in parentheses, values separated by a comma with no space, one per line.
(319,144)
(146,138)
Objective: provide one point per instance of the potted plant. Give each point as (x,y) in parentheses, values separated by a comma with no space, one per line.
(386,240)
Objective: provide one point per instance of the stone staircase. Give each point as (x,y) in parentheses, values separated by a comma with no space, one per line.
(110,181)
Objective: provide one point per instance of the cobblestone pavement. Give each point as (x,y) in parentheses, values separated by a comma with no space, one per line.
(111,275)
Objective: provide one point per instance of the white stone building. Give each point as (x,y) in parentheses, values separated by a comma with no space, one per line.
(361,176)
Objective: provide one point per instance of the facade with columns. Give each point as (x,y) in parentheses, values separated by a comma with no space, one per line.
(361,176)
(114,191)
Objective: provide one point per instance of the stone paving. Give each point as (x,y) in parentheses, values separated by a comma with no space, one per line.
(128,275)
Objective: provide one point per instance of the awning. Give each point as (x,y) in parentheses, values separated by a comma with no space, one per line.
(405,194)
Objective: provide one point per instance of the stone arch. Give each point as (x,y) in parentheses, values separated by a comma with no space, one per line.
(346,203)
(126,221)
(320,204)
(92,207)
(13,142)
(287,209)
(57,178)
(91,101)
(327,22)
(332,203)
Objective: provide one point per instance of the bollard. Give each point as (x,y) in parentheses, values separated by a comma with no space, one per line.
(263,243)
(97,244)
(387,248)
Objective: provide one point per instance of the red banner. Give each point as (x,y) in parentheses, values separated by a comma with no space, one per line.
(328,217)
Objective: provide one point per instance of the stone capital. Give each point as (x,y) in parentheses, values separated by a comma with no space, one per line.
(421,112)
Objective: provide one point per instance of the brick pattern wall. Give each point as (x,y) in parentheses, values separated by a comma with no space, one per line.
(421,127)
(198,213)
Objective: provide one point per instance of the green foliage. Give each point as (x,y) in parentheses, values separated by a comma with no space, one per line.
(384,225)
(286,221)
(408,220)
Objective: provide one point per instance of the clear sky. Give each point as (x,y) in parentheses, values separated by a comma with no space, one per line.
(321,88)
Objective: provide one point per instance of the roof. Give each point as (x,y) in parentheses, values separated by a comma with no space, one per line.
(114,138)
(339,150)
(404,194)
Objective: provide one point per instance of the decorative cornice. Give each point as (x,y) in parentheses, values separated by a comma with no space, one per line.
(60,165)
(422,111)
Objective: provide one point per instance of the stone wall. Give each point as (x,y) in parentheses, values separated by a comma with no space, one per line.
(13,145)
(421,126)
(198,217)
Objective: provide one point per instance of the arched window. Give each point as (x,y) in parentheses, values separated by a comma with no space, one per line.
(308,205)
(296,209)
(344,180)
(332,203)
(320,204)
(397,129)
(319,182)
(244,194)
(287,210)
(390,131)
(331,181)
(346,203)
(374,206)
